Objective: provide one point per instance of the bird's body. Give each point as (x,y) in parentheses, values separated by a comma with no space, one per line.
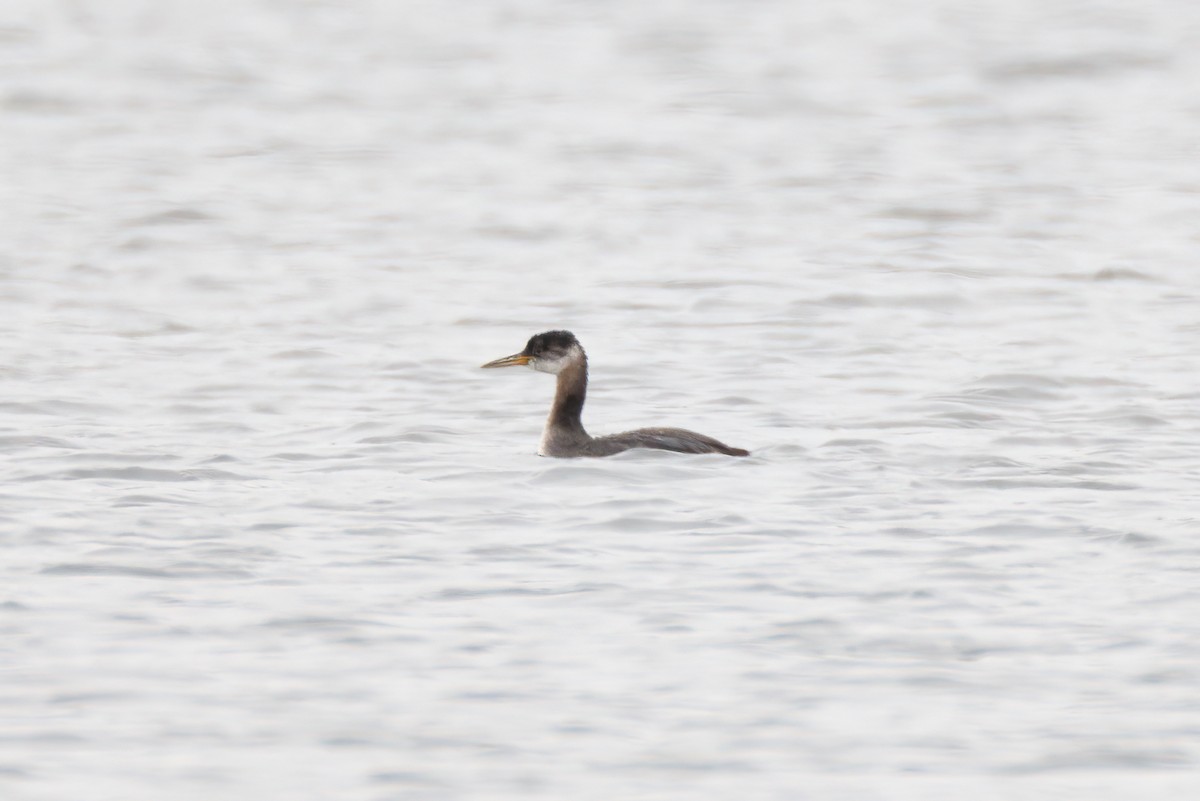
(559,353)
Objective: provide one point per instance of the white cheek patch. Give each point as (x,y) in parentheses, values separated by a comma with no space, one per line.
(556,364)
(551,364)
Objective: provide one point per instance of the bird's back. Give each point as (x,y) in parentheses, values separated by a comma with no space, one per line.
(679,440)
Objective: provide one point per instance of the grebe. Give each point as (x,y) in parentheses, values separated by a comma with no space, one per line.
(559,353)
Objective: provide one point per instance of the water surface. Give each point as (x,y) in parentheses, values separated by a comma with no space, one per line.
(268,532)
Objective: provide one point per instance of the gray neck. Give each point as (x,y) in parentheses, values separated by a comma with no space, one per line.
(567,412)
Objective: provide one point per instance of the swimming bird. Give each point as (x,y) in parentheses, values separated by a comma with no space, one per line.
(560,354)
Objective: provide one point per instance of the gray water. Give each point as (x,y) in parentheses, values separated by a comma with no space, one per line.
(266,531)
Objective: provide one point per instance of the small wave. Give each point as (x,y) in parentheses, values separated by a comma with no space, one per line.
(1020,380)
(61,408)
(1000,396)
(1073,66)
(301,354)
(1122,274)
(963,418)
(781,449)
(179,216)
(22,442)
(1042,483)
(317,622)
(1135,420)
(575,474)
(931,214)
(1109,759)
(466,593)
(406,777)
(633,524)
(416,435)
(105,570)
(146,500)
(38,102)
(866,445)
(139,474)
(178,570)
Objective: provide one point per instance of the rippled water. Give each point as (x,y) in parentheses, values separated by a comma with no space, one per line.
(268,532)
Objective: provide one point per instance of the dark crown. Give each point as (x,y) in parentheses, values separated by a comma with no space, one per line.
(549,342)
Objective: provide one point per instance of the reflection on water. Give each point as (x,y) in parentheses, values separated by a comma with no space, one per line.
(268,528)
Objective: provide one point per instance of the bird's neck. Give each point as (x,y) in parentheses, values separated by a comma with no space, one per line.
(567,412)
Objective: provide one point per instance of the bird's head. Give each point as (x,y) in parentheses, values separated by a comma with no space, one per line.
(548,352)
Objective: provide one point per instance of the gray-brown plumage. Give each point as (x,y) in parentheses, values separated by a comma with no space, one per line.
(559,353)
